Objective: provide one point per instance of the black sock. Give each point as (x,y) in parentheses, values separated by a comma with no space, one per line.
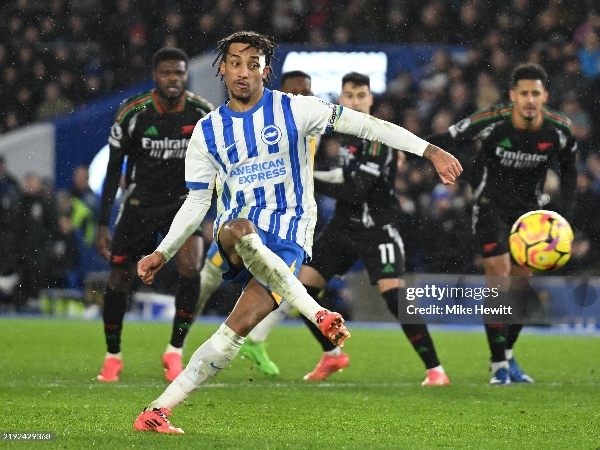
(522,296)
(513,333)
(416,331)
(496,336)
(186,300)
(496,326)
(115,304)
(326,344)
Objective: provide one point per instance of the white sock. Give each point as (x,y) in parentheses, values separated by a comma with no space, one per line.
(171,349)
(499,365)
(439,369)
(210,280)
(114,355)
(337,351)
(260,332)
(270,270)
(208,360)
(508,353)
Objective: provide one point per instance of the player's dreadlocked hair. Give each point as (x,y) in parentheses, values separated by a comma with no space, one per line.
(259,41)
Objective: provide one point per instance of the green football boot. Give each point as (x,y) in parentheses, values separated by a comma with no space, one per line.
(257,353)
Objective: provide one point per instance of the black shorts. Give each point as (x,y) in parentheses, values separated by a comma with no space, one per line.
(491,227)
(137,230)
(338,247)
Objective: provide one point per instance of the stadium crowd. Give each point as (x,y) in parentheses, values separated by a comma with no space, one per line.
(58,55)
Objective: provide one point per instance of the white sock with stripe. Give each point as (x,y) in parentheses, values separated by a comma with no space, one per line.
(208,360)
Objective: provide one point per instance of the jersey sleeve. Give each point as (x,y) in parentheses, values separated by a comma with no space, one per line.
(200,163)
(111,184)
(357,185)
(319,117)
(186,221)
(315,116)
(568,175)
(119,142)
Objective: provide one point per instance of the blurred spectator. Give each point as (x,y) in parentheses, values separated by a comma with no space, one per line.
(399,91)
(442,120)
(37,226)
(500,70)
(9,203)
(431,26)
(11,121)
(68,85)
(487,93)
(582,127)
(444,237)
(54,103)
(586,227)
(173,29)
(341,35)
(471,27)
(461,100)
(385,111)
(592,163)
(592,23)
(522,15)
(589,54)
(569,82)
(546,26)
(397,27)
(84,205)
(286,22)
(412,122)
(63,257)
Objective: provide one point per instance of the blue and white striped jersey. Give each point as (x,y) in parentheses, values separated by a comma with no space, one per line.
(261,162)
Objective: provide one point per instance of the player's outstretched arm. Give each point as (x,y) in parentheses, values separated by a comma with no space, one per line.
(373,129)
(149,265)
(446,165)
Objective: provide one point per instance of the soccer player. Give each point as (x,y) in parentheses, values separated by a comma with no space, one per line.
(153,130)
(293,82)
(518,141)
(254,150)
(364,226)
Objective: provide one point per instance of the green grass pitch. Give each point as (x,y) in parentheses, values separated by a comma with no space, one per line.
(48,369)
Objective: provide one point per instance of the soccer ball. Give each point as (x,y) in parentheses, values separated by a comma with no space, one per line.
(541,240)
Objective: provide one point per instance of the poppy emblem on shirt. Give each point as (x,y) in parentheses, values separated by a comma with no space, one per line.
(270,135)
(187,129)
(543,146)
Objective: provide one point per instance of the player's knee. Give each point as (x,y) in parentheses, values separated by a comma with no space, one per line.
(230,235)
(392,300)
(189,268)
(235,229)
(120,279)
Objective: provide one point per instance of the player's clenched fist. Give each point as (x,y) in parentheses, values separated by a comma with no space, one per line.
(446,165)
(149,265)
